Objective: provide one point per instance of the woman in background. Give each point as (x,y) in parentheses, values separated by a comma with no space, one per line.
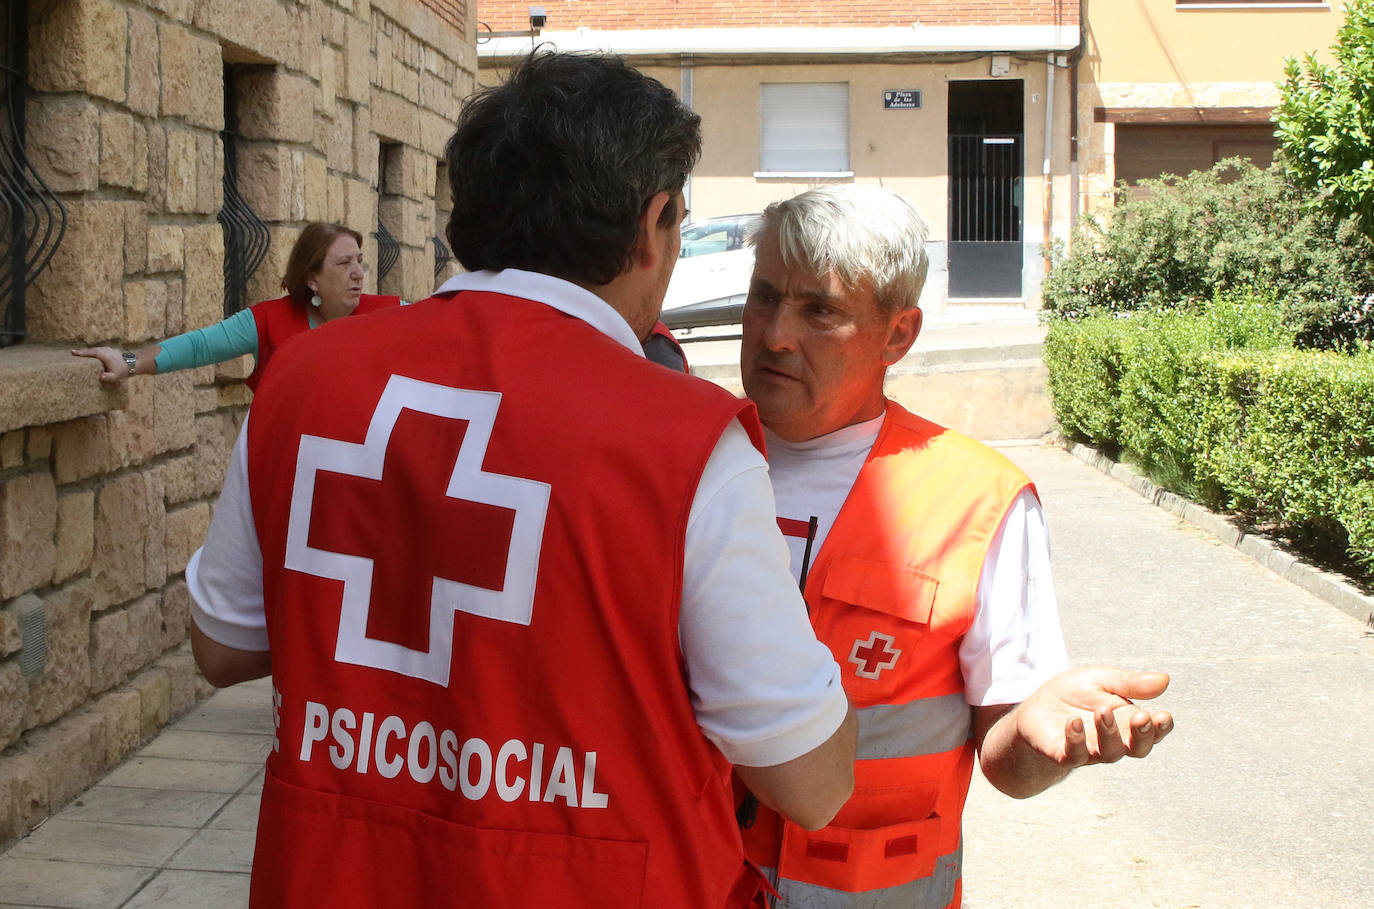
(323,282)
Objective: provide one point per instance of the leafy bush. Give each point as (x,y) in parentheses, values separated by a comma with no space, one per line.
(1168,421)
(1217,405)
(1326,120)
(1138,382)
(1309,438)
(1194,236)
(1085,361)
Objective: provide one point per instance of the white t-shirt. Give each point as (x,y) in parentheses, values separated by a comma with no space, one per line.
(1015,642)
(762,687)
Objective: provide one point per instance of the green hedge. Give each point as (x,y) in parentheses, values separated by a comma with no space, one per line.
(1218,406)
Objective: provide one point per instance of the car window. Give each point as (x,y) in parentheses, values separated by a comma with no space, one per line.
(702,239)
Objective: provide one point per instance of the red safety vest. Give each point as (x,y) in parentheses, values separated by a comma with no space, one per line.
(472,573)
(892,592)
(283,318)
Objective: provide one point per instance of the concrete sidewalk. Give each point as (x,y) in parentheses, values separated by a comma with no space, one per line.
(1260,798)
(171,827)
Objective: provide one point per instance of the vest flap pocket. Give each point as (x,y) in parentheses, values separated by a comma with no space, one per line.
(857,859)
(364,853)
(897,590)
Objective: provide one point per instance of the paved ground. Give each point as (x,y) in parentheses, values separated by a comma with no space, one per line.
(171,827)
(1261,798)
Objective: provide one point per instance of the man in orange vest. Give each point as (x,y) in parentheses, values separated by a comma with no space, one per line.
(522,614)
(924,564)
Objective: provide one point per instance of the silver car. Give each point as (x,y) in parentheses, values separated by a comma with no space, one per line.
(711,279)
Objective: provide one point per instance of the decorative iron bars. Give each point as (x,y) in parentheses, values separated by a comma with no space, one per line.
(442,255)
(985,188)
(388,251)
(246,237)
(32,219)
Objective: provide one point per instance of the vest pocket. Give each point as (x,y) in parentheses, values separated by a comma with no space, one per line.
(896,590)
(324,849)
(859,859)
(876,618)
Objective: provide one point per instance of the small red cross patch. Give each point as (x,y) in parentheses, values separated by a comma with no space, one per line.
(871,657)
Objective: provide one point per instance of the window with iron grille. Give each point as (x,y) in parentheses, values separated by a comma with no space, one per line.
(388,170)
(246,237)
(442,255)
(32,219)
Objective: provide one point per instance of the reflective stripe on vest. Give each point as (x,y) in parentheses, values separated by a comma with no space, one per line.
(928,726)
(936,891)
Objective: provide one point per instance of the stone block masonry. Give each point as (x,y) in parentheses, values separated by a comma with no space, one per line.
(105,492)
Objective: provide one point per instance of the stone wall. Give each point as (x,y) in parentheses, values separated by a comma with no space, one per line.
(105,493)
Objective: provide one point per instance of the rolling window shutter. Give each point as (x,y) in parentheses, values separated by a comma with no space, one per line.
(805,127)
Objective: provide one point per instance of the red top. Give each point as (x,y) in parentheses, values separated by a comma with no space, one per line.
(283,318)
(472,572)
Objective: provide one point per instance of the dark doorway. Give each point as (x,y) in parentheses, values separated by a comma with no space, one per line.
(986,134)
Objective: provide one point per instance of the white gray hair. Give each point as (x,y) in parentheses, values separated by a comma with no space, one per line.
(859,231)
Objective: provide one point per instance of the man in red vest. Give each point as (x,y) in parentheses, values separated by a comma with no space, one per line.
(925,567)
(520,590)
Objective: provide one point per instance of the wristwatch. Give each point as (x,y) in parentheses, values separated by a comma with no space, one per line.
(130,360)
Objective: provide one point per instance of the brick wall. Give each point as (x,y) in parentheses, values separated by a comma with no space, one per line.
(105,493)
(563,15)
(452,12)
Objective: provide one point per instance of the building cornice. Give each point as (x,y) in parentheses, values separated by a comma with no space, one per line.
(917,39)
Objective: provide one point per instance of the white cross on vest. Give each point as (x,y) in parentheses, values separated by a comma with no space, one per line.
(520,505)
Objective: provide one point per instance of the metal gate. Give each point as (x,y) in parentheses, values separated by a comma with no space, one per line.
(985,209)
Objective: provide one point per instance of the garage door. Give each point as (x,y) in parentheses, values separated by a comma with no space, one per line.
(1147,151)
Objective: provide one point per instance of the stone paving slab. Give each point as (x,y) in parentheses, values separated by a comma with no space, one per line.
(87,885)
(103,843)
(242,811)
(197,889)
(155,807)
(172,827)
(217,850)
(211,746)
(185,774)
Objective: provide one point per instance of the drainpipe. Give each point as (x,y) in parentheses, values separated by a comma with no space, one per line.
(1047,176)
(1075,203)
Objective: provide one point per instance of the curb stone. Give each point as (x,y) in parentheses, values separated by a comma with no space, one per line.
(1325,585)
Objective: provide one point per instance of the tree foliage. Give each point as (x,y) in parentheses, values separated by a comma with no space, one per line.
(1326,120)
(1232,228)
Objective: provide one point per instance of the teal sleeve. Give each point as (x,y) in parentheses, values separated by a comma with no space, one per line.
(234,337)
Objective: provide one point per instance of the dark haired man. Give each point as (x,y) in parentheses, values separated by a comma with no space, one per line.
(521,613)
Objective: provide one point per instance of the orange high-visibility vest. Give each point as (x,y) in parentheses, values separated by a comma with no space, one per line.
(892,592)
